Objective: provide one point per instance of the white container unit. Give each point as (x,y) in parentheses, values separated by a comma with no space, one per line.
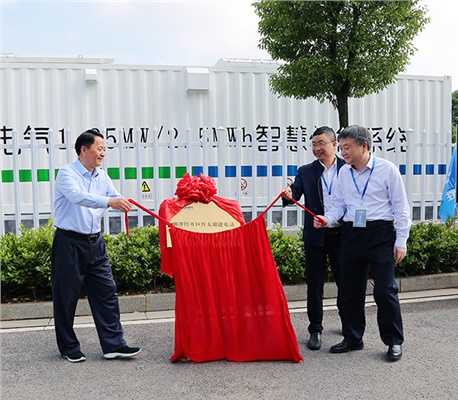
(223,121)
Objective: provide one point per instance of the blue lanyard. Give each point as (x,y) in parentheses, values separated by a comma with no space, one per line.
(332,180)
(367,182)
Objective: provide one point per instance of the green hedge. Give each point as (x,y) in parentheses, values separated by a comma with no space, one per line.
(431,249)
(289,255)
(26,263)
(136,261)
(26,259)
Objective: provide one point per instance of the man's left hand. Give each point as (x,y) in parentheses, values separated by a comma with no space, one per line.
(399,253)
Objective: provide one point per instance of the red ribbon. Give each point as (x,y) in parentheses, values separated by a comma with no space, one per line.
(321,219)
(127,224)
(202,189)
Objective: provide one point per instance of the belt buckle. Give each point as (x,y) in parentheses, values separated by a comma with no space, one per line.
(92,238)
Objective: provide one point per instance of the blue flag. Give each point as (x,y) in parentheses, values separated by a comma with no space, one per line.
(448,203)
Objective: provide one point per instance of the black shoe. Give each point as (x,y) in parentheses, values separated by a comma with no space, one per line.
(314,342)
(123,352)
(394,352)
(345,347)
(75,357)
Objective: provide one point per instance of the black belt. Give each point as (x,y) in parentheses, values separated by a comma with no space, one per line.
(332,231)
(374,224)
(79,236)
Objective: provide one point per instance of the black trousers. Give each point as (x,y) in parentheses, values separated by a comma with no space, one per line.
(315,274)
(363,248)
(78,263)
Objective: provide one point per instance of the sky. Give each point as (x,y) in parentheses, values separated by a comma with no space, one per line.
(185,32)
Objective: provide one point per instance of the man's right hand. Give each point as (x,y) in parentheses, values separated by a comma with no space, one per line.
(319,221)
(288,195)
(120,203)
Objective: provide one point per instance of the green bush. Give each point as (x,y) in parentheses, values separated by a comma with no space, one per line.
(26,263)
(288,252)
(26,259)
(136,260)
(431,249)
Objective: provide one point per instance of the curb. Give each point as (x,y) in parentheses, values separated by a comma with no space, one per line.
(166,301)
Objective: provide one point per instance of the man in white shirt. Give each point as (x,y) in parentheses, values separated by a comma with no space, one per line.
(369,197)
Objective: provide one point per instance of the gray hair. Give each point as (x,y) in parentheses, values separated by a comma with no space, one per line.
(357,132)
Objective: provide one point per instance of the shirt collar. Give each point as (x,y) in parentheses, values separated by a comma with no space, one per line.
(369,165)
(83,170)
(332,166)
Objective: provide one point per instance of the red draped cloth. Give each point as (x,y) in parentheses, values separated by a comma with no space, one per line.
(169,208)
(230,302)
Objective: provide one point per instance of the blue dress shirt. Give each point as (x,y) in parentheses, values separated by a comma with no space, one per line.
(81,198)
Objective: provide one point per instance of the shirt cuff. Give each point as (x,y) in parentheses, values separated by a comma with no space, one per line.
(331,221)
(401,242)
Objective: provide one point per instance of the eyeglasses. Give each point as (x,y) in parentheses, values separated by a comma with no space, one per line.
(320,144)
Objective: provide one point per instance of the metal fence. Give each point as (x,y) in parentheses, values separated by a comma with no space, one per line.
(251,168)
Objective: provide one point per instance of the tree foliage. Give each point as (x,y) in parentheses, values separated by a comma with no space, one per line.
(455,107)
(334,50)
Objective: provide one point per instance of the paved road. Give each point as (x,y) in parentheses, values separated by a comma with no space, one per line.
(32,369)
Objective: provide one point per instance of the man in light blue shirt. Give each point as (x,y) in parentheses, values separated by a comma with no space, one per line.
(369,197)
(79,256)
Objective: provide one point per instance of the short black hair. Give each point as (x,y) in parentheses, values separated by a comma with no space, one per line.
(359,133)
(329,132)
(86,139)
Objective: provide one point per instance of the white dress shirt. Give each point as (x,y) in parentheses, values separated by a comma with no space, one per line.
(385,197)
(328,179)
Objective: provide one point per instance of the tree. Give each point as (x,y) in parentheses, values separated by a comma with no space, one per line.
(335,50)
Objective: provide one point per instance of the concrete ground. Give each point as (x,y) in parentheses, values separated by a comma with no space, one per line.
(145,307)
(31,367)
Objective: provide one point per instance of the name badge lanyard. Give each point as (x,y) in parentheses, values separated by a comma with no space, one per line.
(367,182)
(329,188)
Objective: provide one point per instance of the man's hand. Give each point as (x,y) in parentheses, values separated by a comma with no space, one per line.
(399,254)
(288,195)
(319,221)
(120,204)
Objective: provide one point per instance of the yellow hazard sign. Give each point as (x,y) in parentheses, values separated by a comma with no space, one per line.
(145,187)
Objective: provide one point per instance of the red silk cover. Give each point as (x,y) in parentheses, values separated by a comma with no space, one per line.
(230,302)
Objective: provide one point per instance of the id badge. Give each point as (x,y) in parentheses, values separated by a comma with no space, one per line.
(360,219)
